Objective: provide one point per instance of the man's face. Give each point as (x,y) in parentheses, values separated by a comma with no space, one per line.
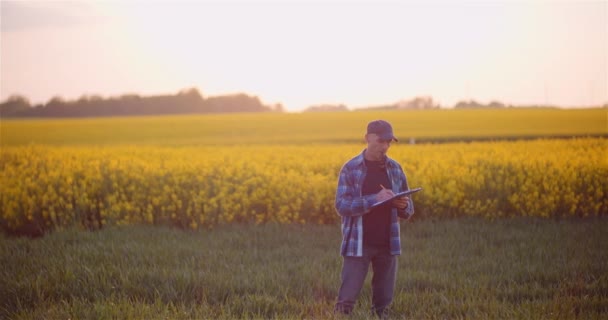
(376,147)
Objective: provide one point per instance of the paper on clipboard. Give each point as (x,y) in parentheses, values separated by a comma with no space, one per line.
(397,195)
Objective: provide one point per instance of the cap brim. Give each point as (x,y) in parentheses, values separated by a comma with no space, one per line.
(389,137)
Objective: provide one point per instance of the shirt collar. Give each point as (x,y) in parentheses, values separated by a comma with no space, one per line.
(360,160)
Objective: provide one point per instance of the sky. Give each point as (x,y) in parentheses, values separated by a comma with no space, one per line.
(304,53)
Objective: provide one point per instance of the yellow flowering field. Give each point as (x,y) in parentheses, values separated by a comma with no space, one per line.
(47,187)
(306,128)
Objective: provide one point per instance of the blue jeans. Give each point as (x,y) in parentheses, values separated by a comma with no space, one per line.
(354,271)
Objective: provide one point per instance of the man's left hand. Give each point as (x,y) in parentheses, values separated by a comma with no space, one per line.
(401,203)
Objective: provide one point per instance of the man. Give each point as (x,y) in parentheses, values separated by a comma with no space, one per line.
(371,235)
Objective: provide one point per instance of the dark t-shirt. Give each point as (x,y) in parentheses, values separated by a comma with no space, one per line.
(376,223)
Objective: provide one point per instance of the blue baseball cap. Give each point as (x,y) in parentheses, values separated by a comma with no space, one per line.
(382,128)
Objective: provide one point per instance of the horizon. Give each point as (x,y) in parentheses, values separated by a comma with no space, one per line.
(302,54)
(378,106)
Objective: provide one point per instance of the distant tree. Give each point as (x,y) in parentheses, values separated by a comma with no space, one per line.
(193,92)
(378,107)
(326,108)
(472,104)
(130,97)
(235,103)
(55,101)
(496,105)
(189,101)
(278,108)
(418,103)
(14,105)
(55,107)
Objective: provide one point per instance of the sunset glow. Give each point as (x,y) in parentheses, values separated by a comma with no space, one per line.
(307,53)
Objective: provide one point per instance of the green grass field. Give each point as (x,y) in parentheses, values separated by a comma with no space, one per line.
(338,127)
(450,269)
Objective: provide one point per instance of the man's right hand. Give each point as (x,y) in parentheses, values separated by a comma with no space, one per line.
(384,194)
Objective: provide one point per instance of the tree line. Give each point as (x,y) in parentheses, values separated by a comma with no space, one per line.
(417,103)
(188,101)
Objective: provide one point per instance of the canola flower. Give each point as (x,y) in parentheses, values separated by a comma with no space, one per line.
(45,188)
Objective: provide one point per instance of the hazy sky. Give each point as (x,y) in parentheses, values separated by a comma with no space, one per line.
(302,53)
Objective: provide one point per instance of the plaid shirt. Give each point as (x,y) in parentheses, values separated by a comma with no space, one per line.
(351,205)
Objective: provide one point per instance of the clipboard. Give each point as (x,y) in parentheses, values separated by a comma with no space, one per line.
(397,195)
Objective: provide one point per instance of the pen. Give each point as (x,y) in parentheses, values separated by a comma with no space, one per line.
(382,187)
